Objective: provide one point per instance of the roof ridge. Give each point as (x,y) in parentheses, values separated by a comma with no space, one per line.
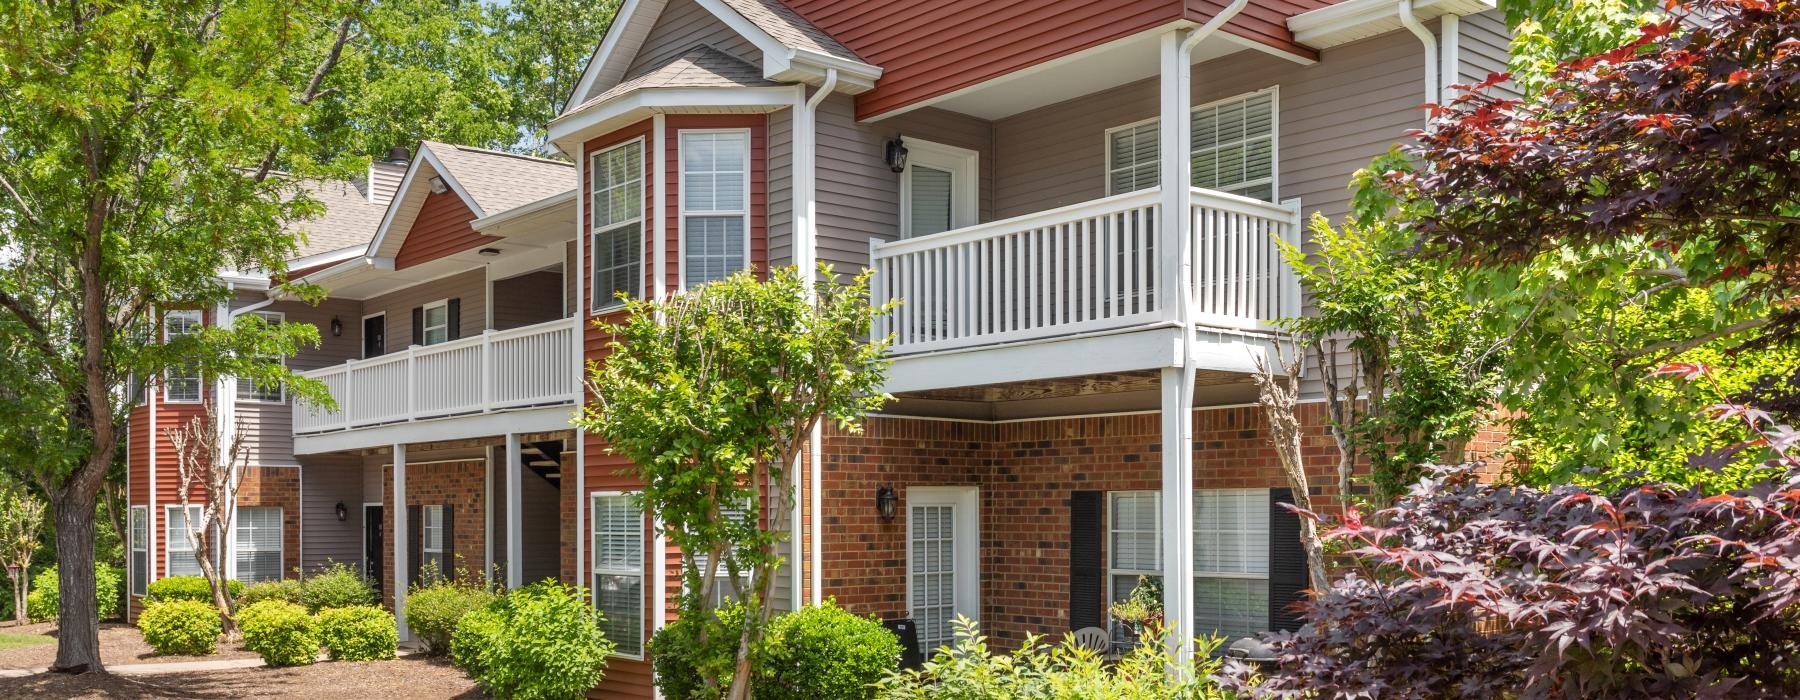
(510,154)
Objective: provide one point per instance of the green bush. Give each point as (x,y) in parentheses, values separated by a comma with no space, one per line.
(476,632)
(432,611)
(285,590)
(336,586)
(682,665)
(967,669)
(823,652)
(283,633)
(358,633)
(189,588)
(185,627)
(547,644)
(41,601)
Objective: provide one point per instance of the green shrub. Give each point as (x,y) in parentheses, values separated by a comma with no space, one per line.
(283,633)
(189,588)
(358,633)
(183,627)
(476,633)
(285,590)
(41,601)
(823,652)
(432,611)
(967,669)
(682,665)
(547,644)
(336,586)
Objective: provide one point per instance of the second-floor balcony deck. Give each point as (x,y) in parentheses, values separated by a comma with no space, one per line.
(1098,266)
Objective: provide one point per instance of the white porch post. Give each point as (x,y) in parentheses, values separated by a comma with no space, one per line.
(1178,513)
(515,577)
(1173,170)
(1173,137)
(399,515)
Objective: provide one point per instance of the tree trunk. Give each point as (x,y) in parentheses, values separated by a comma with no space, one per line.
(227,625)
(77,615)
(20,580)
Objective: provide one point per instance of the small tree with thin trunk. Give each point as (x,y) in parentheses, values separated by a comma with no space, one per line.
(208,457)
(21,517)
(713,395)
(1279,397)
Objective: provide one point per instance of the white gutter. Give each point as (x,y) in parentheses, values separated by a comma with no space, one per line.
(1412,24)
(524,210)
(806,256)
(226,391)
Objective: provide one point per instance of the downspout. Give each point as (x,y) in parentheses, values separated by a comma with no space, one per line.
(807,255)
(1412,24)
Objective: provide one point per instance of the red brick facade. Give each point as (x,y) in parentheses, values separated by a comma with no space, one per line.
(460,485)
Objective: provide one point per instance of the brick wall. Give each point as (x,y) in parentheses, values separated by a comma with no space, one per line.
(460,485)
(277,487)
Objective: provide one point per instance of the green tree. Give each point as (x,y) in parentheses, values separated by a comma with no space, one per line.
(145,147)
(21,519)
(713,395)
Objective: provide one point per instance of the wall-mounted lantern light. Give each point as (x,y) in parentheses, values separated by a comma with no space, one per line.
(896,155)
(887,503)
(337,327)
(343,513)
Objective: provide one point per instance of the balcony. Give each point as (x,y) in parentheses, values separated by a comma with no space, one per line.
(1084,269)
(496,371)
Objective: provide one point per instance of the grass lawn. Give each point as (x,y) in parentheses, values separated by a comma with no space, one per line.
(15,641)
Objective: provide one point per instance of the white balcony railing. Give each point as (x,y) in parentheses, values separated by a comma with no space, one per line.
(1088,267)
(533,365)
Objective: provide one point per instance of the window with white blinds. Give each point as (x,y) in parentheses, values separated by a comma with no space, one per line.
(435,320)
(1233,149)
(618,206)
(251,390)
(1231,555)
(930,204)
(715,204)
(140,550)
(618,571)
(434,560)
(181,385)
(178,550)
(258,544)
(932,553)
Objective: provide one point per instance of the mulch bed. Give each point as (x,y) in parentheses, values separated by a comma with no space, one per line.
(119,644)
(411,677)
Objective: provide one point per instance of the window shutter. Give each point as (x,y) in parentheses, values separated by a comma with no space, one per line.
(418,325)
(415,544)
(448,566)
(454,312)
(1287,563)
(1087,566)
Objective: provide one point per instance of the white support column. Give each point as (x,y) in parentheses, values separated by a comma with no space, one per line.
(487,510)
(515,540)
(1174,169)
(1178,512)
(399,543)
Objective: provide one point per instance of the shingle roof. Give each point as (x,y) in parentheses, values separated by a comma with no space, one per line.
(499,181)
(789,28)
(701,66)
(349,218)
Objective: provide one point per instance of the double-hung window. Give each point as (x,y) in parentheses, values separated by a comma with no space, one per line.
(1233,149)
(268,392)
(1231,555)
(435,320)
(715,204)
(178,549)
(618,206)
(140,550)
(258,544)
(434,564)
(618,571)
(181,384)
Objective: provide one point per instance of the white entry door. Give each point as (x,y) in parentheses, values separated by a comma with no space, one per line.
(943,566)
(938,189)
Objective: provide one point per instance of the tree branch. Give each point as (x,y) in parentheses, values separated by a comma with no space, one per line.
(312,91)
(1671,348)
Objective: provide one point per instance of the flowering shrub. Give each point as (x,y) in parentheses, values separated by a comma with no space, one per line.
(967,670)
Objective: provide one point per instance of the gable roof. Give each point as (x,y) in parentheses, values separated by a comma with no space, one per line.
(349,221)
(489,182)
(700,66)
(789,28)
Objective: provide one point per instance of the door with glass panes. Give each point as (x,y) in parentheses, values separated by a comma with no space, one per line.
(942,563)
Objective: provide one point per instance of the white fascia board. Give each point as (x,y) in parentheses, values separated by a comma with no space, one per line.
(622,23)
(786,63)
(499,220)
(333,256)
(524,420)
(1345,22)
(575,127)
(408,182)
(1149,348)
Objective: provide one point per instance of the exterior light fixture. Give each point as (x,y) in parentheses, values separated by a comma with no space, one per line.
(337,327)
(342,512)
(438,186)
(887,503)
(488,252)
(896,155)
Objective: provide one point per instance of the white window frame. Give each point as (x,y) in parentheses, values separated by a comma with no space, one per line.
(171,536)
(682,211)
(964,166)
(138,525)
(598,303)
(199,320)
(363,340)
(1112,574)
(280,541)
(965,546)
(595,569)
(246,392)
(425,326)
(428,553)
(1274,179)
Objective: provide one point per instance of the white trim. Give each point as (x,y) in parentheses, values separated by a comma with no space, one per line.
(501,219)
(387,220)
(620,24)
(528,419)
(425,323)
(398,568)
(789,63)
(659,285)
(487,515)
(514,472)
(199,317)
(965,504)
(1344,22)
(964,166)
(599,305)
(280,542)
(594,569)
(681,208)
(187,526)
(426,552)
(134,544)
(362,333)
(633,106)
(327,257)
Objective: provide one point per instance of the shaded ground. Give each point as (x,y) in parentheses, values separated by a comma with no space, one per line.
(401,678)
(119,644)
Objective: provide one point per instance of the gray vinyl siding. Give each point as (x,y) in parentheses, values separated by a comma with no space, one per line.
(858,196)
(779,155)
(470,287)
(682,25)
(523,300)
(326,481)
(1482,43)
(269,427)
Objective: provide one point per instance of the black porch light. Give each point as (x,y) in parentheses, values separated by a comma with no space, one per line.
(887,503)
(337,327)
(342,512)
(896,155)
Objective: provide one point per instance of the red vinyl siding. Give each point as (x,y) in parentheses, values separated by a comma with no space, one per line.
(442,228)
(759,184)
(930,48)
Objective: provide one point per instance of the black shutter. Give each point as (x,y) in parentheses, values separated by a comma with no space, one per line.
(415,545)
(448,566)
(1087,566)
(418,325)
(1287,563)
(455,313)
